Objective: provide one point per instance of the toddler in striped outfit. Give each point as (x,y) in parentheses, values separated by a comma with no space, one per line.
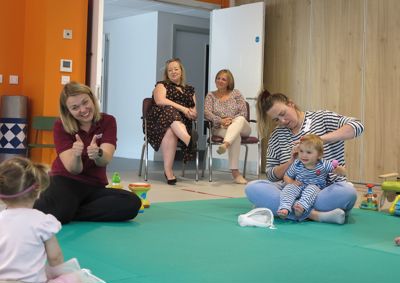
(306,177)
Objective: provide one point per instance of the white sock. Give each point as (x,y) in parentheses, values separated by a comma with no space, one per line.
(334,216)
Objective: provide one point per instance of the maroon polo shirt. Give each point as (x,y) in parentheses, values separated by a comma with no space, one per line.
(106,129)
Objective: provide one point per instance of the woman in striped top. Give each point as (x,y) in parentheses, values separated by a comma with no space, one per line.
(334,201)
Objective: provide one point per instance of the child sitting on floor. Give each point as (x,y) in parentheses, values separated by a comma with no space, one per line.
(27,236)
(306,177)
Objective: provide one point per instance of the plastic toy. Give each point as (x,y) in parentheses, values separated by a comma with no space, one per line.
(141,190)
(395,207)
(389,186)
(370,199)
(335,163)
(115,182)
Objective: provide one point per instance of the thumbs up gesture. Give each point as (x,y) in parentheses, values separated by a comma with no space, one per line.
(77,146)
(93,149)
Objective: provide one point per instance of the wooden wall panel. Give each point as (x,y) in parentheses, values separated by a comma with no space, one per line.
(382,98)
(336,65)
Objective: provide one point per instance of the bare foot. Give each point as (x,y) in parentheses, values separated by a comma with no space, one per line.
(221,149)
(298,210)
(397,241)
(282,213)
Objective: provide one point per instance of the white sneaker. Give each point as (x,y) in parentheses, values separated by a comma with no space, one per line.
(258,217)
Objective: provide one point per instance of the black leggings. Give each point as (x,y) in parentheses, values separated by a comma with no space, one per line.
(68,199)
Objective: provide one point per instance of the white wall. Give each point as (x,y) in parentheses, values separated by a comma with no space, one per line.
(131,77)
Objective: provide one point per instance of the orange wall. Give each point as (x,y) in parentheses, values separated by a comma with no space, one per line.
(12,15)
(33,47)
(223,3)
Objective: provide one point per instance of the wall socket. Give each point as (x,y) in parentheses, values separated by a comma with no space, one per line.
(1,78)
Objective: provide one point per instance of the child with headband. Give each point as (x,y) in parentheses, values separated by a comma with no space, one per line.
(27,235)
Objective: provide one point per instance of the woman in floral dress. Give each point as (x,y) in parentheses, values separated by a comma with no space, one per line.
(170,118)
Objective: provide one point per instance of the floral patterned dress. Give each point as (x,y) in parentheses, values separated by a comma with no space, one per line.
(160,117)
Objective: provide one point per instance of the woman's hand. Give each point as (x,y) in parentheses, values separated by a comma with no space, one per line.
(295,151)
(225,122)
(191,113)
(93,149)
(77,146)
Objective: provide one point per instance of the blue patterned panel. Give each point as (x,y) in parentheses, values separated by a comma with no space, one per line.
(13,135)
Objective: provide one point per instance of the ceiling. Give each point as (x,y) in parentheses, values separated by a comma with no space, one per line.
(115,9)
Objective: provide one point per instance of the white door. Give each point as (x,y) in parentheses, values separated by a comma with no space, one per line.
(97,49)
(237,44)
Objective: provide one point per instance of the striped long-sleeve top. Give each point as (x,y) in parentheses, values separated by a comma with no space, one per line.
(319,123)
(317,176)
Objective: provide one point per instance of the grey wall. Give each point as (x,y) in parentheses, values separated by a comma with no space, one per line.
(131,77)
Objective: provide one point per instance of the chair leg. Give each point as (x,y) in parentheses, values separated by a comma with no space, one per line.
(258,160)
(183,168)
(204,162)
(146,161)
(141,160)
(197,165)
(245,160)
(210,163)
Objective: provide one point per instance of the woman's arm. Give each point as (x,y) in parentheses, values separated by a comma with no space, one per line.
(208,111)
(241,104)
(53,251)
(340,128)
(160,97)
(101,155)
(72,158)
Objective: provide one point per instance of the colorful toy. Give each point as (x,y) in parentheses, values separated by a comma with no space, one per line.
(141,189)
(395,207)
(335,163)
(389,186)
(370,199)
(115,182)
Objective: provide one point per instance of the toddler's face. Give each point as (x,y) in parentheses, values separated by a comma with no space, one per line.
(308,155)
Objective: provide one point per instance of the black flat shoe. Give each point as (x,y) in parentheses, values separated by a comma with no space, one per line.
(170,181)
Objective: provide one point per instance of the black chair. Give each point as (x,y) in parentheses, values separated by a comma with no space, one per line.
(146,106)
(41,124)
(217,140)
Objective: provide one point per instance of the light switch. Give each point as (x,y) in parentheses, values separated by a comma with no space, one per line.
(65,80)
(13,80)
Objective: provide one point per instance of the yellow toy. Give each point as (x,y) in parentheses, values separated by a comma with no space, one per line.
(395,207)
(389,186)
(141,189)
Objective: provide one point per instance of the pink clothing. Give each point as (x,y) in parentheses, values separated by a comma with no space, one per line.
(23,232)
(215,109)
(106,129)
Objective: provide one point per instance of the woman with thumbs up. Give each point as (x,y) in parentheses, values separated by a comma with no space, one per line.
(85,142)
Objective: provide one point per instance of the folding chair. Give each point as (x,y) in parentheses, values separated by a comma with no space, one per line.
(41,124)
(146,106)
(217,140)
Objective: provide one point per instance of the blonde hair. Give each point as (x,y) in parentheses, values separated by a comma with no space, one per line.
(183,73)
(19,174)
(265,101)
(314,141)
(231,80)
(70,124)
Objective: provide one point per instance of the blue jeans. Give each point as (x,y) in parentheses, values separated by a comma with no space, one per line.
(263,193)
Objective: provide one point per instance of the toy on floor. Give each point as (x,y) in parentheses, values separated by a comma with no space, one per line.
(370,199)
(141,189)
(115,182)
(389,187)
(395,207)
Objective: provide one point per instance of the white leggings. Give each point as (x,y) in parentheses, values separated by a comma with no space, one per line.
(240,127)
